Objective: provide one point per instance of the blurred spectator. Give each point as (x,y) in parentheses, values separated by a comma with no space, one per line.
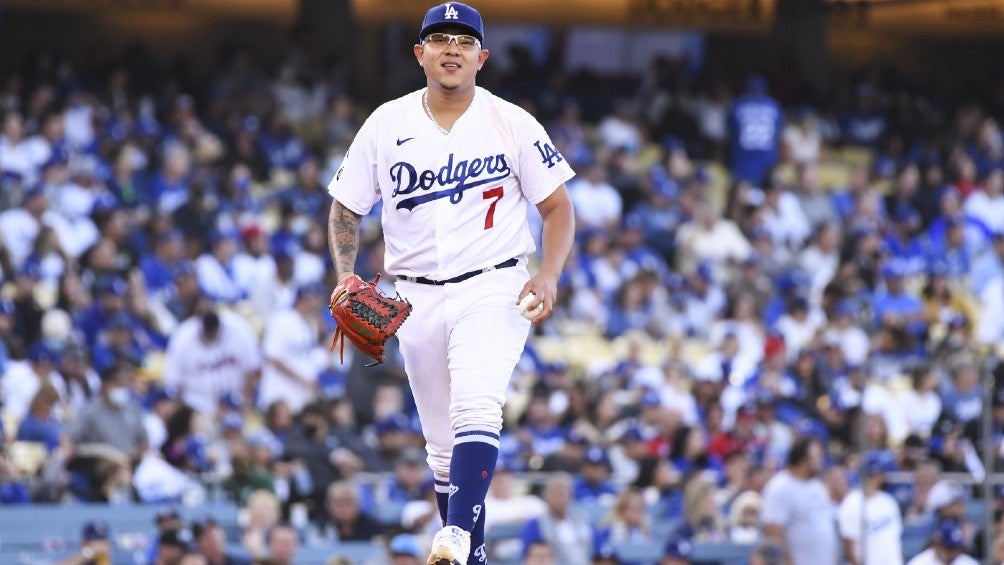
(23,379)
(597,203)
(209,356)
(560,526)
(796,509)
(95,546)
(113,418)
(766,554)
(744,518)
(171,547)
(593,480)
(40,424)
(755,125)
(210,541)
(948,546)
(405,550)
(702,520)
(263,514)
(411,479)
(869,519)
(678,551)
(283,544)
(707,237)
(539,552)
(801,138)
(290,349)
(627,522)
(344,520)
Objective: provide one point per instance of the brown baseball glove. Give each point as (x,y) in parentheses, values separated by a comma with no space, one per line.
(365,317)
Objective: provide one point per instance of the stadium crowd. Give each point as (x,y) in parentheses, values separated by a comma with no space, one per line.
(773,302)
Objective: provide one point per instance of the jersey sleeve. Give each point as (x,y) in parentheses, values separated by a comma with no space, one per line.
(776,509)
(541,168)
(849,519)
(355,182)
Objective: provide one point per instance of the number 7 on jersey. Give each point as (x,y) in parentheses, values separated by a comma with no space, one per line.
(492,193)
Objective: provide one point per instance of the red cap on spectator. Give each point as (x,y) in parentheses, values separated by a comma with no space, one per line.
(774,344)
(250,232)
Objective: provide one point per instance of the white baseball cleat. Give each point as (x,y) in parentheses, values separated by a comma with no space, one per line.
(451,546)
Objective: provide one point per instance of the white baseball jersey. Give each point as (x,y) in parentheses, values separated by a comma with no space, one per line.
(456,202)
(292,338)
(884,527)
(204,372)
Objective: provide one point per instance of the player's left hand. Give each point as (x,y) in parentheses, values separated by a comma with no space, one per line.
(545,287)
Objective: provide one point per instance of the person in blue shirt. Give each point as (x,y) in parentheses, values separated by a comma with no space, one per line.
(897,313)
(307,196)
(39,425)
(593,481)
(110,293)
(755,122)
(865,123)
(411,480)
(159,267)
(964,398)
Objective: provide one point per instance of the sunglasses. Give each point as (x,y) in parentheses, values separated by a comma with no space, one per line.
(464,42)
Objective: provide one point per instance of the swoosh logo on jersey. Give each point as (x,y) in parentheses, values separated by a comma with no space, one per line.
(401,142)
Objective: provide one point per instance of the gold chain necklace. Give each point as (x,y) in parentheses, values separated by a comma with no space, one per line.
(428,112)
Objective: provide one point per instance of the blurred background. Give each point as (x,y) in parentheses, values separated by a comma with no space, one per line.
(790,227)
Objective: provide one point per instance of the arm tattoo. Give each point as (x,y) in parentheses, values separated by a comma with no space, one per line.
(343,238)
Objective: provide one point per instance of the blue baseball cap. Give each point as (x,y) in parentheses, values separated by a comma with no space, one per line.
(879,462)
(949,535)
(596,455)
(95,530)
(405,544)
(395,423)
(678,548)
(41,353)
(453,14)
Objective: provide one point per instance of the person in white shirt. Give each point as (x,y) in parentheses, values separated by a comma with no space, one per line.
(20,226)
(22,379)
(852,341)
(15,154)
(921,404)
(597,203)
(797,512)
(710,238)
(987,205)
(215,270)
(208,356)
(872,535)
(292,352)
(947,547)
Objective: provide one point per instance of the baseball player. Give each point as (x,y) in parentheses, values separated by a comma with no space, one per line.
(455,168)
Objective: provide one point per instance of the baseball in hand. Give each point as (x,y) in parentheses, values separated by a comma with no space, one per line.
(524,306)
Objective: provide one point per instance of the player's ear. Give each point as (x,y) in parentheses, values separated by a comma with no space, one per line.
(482,57)
(418,49)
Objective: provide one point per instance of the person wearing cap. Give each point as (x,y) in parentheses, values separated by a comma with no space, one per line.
(872,534)
(211,354)
(20,226)
(755,123)
(593,480)
(110,292)
(419,154)
(677,551)
(289,347)
(405,550)
(797,512)
(95,546)
(159,266)
(947,546)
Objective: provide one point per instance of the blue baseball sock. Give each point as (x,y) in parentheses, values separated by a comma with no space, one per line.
(475,451)
(479,553)
(442,485)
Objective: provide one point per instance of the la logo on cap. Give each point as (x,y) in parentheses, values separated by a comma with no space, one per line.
(451,13)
